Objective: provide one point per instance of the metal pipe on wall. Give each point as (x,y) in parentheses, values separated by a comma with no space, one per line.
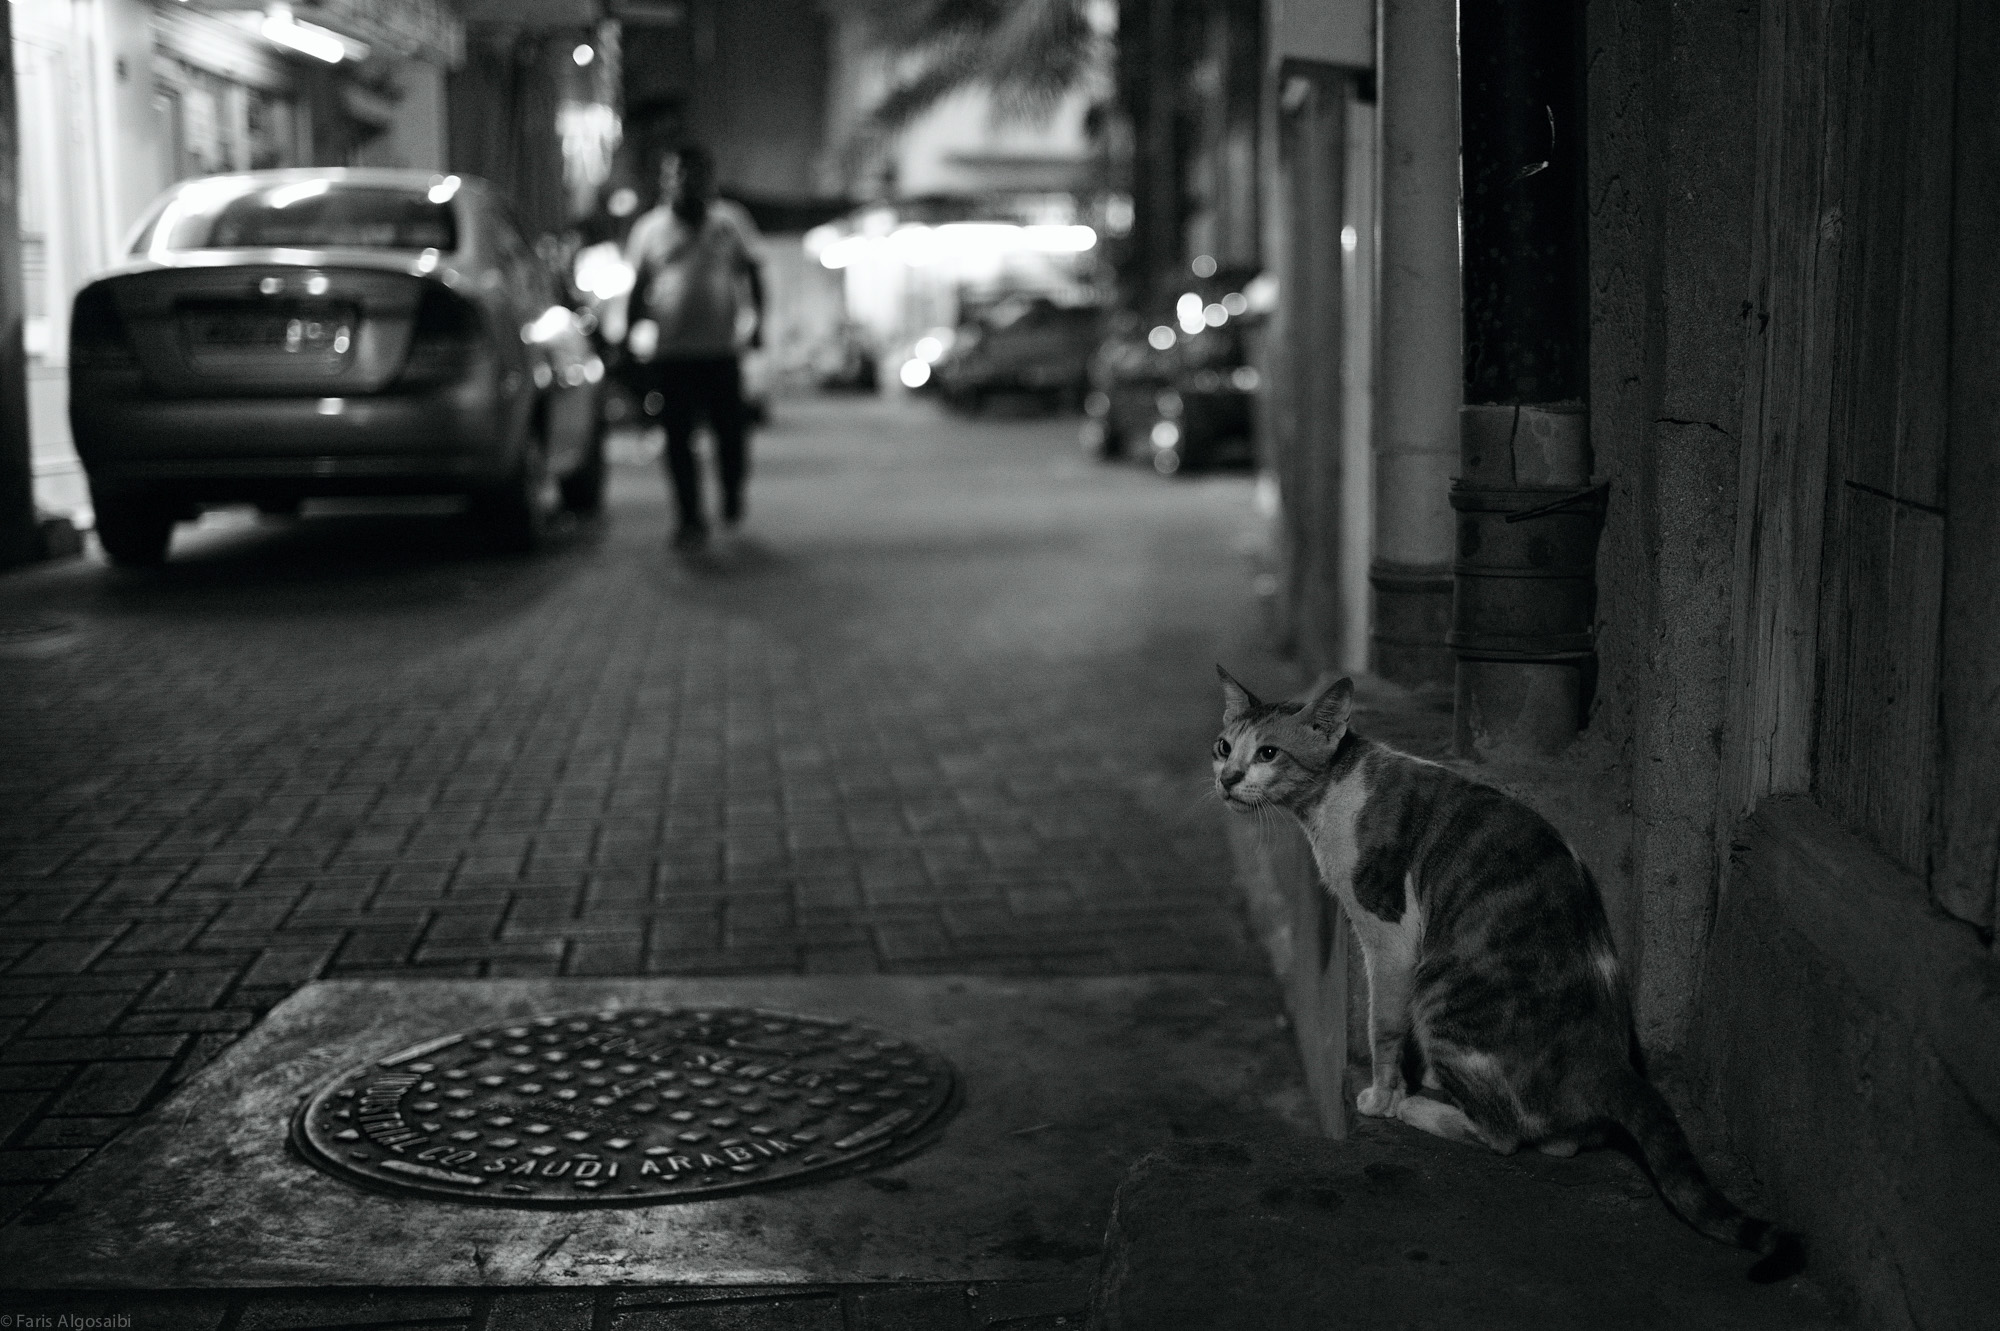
(1419,347)
(1528,519)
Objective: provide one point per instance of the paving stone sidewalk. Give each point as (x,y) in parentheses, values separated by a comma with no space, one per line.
(943,707)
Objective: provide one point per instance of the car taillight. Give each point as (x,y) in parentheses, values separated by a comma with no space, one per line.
(97,337)
(445,339)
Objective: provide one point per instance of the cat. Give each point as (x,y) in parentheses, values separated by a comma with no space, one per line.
(1484,939)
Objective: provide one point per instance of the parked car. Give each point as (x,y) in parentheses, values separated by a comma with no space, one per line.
(1023,345)
(1125,374)
(1202,416)
(845,362)
(278,335)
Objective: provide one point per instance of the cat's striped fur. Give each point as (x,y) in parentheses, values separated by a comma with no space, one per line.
(1485,940)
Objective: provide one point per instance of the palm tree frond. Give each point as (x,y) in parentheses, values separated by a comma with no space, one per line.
(1028,53)
(1037,55)
(950,65)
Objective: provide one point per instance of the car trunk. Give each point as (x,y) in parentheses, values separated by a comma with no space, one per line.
(269,329)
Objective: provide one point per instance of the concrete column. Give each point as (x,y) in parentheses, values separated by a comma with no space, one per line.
(20,539)
(1419,348)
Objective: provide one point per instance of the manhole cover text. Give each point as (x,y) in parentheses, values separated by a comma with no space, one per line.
(626,1107)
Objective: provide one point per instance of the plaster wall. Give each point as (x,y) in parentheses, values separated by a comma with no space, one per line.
(758,94)
(1848,1033)
(416,137)
(1673,93)
(133,164)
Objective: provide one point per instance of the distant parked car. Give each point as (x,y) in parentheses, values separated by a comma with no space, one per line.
(845,362)
(1022,345)
(278,335)
(1202,416)
(1126,373)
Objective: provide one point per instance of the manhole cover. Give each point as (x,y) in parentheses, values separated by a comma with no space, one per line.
(626,1107)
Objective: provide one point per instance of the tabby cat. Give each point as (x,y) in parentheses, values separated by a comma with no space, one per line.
(1484,938)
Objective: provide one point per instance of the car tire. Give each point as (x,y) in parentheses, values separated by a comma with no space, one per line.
(583,489)
(515,514)
(134,531)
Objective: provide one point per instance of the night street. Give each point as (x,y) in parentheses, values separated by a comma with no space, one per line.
(942,707)
(610,616)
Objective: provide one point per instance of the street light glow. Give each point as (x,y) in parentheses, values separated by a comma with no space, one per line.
(916,245)
(310,38)
(1188,309)
(291,194)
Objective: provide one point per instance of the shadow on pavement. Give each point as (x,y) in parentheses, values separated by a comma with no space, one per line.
(342,565)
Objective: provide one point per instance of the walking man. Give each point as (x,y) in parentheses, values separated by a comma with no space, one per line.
(698,296)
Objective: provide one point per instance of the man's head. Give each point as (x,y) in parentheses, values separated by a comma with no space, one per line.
(687,180)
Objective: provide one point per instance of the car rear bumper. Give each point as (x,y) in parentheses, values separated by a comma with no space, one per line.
(229,446)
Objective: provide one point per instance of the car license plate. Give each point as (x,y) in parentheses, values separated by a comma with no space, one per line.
(228,338)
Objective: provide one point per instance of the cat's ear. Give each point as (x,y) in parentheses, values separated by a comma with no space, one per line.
(1237,701)
(1328,706)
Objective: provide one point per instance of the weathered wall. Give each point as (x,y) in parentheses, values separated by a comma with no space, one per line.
(1622,38)
(501,121)
(1849,1035)
(1673,94)
(1313,955)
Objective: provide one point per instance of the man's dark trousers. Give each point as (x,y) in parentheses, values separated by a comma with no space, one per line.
(693,389)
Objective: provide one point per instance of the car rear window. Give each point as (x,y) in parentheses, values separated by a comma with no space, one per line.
(311,214)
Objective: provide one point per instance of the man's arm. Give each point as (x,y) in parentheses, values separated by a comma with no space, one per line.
(753,273)
(643,249)
(639,250)
(749,262)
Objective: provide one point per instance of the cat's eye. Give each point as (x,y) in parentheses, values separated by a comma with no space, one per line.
(1222,748)
(1265,754)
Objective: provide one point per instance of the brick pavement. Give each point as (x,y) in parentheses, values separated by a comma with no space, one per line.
(943,709)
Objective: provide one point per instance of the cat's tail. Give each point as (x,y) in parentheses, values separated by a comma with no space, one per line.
(1643,1112)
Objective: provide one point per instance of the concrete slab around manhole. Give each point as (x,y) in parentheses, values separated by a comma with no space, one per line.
(1065,1083)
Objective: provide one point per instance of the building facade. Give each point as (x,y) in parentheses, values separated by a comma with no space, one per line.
(1704,296)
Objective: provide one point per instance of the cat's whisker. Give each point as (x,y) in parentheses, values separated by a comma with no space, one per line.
(1267,826)
(1202,794)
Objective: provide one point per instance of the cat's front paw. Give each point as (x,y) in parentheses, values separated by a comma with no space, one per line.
(1380,1101)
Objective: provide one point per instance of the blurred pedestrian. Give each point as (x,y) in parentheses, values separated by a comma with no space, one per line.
(698,303)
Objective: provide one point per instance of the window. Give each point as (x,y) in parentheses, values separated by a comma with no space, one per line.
(306,214)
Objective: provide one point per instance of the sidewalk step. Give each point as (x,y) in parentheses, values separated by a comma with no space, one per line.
(1391,1228)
